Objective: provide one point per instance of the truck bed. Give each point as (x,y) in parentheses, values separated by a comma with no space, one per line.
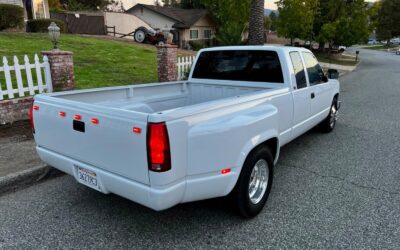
(155,98)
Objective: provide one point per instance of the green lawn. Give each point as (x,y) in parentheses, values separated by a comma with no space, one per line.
(381,47)
(336,59)
(98,62)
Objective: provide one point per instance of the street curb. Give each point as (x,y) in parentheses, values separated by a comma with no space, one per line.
(26,178)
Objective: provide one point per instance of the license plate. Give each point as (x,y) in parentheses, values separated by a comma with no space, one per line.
(88,178)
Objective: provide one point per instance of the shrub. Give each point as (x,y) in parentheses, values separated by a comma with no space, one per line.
(11,16)
(230,34)
(196,45)
(42,25)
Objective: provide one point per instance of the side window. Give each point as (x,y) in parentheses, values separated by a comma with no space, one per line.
(314,71)
(298,68)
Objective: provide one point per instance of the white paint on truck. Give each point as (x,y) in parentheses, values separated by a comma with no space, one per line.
(212,121)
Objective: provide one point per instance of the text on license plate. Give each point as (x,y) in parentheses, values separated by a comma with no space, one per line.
(88,177)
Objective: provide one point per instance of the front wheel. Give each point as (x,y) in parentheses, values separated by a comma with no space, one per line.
(254,185)
(329,123)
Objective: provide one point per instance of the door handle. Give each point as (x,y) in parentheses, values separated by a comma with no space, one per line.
(312,95)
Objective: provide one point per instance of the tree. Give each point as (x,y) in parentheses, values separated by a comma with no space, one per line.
(230,18)
(54,5)
(273,18)
(296,18)
(74,5)
(341,22)
(267,23)
(373,14)
(389,20)
(170,3)
(267,26)
(256,23)
(191,4)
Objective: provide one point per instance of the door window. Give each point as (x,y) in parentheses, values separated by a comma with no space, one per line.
(298,69)
(314,70)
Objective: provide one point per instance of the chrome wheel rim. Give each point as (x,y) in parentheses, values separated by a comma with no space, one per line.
(258,181)
(333,116)
(139,36)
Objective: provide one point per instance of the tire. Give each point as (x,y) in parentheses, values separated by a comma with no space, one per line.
(329,123)
(250,201)
(140,35)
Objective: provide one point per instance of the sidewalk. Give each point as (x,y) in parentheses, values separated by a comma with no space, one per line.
(343,69)
(17,148)
(19,162)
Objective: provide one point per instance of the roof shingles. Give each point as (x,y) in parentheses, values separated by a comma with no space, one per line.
(184,18)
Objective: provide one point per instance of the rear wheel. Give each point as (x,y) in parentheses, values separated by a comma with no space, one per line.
(254,185)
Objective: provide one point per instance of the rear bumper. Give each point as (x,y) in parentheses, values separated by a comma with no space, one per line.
(157,199)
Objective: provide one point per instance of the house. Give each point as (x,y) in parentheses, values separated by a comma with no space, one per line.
(130,3)
(187,25)
(34,9)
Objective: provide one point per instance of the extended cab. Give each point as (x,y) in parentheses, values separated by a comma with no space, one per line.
(218,133)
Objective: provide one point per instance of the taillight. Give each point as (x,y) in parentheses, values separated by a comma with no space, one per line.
(158,150)
(31,117)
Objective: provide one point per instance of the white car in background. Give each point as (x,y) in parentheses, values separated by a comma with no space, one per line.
(395,41)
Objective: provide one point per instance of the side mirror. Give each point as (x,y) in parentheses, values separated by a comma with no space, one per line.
(333,74)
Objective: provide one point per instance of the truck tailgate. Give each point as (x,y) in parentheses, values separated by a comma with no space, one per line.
(112,144)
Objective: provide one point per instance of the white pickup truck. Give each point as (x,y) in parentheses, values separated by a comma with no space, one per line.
(218,133)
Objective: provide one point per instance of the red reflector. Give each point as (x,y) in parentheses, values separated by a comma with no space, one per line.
(158,150)
(137,130)
(225,171)
(77,117)
(95,121)
(35,107)
(62,113)
(31,117)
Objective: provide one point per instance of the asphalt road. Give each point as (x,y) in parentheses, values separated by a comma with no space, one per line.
(340,190)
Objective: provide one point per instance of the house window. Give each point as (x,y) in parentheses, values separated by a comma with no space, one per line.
(207,34)
(39,9)
(194,34)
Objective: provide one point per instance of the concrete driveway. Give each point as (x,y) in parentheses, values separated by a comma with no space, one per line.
(340,190)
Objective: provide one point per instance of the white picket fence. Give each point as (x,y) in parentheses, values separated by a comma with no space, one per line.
(33,85)
(184,65)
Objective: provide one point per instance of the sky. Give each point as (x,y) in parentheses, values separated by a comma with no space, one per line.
(270,4)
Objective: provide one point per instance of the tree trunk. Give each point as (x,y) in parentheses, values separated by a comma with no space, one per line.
(256,23)
(321,47)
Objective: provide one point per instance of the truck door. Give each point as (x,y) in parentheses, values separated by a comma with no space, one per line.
(301,96)
(319,90)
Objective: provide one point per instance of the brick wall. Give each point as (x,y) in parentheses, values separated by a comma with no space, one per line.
(15,109)
(62,69)
(166,63)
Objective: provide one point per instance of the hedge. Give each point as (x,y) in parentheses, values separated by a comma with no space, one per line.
(42,25)
(11,16)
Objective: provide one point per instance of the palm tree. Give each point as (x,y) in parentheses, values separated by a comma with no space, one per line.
(256,23)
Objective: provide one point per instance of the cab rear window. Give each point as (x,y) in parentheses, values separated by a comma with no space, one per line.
(239,65)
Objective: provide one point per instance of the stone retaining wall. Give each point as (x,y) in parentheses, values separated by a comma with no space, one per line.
(15,109)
